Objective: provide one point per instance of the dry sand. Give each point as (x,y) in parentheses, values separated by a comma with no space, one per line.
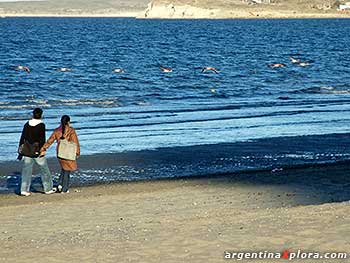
(192,220)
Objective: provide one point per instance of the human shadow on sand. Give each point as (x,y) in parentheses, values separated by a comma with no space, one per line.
(311,185)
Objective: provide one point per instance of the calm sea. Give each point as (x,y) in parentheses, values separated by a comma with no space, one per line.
(144,108)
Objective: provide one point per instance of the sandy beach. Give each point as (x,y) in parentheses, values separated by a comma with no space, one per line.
(184,220)
(194,217)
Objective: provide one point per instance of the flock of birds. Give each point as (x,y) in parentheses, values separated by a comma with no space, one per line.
(119,70)
(163,69)
(294,61)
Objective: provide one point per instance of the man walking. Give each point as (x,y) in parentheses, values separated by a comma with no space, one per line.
(34,134)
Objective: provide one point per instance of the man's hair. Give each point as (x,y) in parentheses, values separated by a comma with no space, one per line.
(37,113)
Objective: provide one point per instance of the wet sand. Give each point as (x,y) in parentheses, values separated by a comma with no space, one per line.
(184,220)
(270,154)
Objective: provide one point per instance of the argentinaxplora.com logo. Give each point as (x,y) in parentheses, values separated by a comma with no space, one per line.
(285,254)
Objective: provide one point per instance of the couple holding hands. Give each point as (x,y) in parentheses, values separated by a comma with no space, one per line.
(32,148)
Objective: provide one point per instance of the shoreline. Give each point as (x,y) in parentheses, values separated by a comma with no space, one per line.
(271,155)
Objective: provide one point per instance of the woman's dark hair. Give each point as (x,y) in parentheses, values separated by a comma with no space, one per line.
(64,121)
(37,113)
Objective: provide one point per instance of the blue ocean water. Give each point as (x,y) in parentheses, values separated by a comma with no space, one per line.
(144,108)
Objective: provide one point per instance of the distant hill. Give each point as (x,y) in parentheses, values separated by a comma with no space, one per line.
(177,8)
(244,8)
(75,7)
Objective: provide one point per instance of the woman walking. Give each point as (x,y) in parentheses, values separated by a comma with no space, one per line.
(64,131)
